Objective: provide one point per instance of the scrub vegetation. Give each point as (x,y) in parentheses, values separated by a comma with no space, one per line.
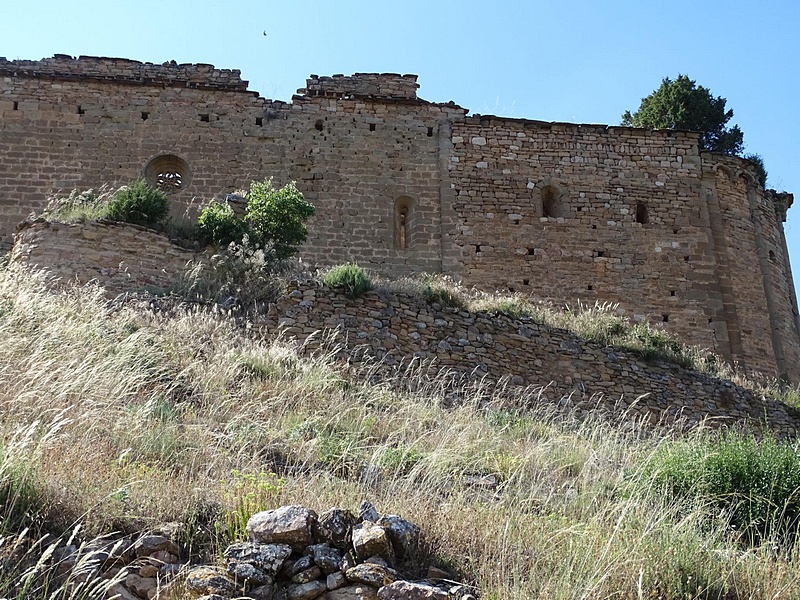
(118,416)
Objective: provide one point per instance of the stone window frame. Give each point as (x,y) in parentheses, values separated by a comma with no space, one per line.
(553,200)
(169,173)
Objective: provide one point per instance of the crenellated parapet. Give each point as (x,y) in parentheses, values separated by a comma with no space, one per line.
(122,71)
(376,85)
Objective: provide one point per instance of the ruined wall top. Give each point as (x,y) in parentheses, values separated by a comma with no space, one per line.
(377,85)
(120,70)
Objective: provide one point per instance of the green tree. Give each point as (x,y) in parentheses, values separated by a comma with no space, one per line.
(277,217)
(682,104)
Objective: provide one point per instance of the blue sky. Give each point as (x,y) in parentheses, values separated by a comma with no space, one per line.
(553,60)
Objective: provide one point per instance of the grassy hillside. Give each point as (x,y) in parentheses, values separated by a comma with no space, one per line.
(119,417)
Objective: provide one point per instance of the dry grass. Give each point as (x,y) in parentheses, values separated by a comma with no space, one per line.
(600,323)
(121,418)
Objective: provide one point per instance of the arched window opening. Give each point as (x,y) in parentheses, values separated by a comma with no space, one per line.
(641,213)
(403,223)
(553,202)
(168,173)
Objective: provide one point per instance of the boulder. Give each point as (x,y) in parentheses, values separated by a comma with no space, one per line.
(370,574)
(210,580)
(405,590)
(370,539)
(148,545)
(403,534)
(305,591)
(367,511)
(353,592)
(334,527)
(308,575)
(268,558)
(286,525)
(325,557)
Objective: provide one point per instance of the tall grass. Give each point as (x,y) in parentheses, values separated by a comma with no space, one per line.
(131,417)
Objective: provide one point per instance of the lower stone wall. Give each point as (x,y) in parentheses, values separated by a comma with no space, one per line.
(119,256)
(571,371)
(400,329)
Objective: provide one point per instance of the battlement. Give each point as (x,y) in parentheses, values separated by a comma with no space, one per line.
(121,71)
(377,85)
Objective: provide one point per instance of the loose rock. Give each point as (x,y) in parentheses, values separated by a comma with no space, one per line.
(209,580)
(334,526)
(371,540)
(405,590)
(353,592)
(305,591)
(286,525)
(374,575)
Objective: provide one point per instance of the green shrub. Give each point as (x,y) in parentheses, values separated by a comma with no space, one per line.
(219,225)
(349,278)
(755,484)
(139,204)
(761,169)
(277,218)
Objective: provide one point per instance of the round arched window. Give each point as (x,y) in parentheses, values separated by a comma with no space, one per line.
(168,173)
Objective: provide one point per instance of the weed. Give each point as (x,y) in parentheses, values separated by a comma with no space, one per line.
(754,485)
(249,493)
(350,279)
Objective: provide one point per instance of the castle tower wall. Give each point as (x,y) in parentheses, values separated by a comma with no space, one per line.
(568,213)
(583,213)
(354,145)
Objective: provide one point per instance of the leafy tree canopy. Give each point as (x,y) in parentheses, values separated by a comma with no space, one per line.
(682,104)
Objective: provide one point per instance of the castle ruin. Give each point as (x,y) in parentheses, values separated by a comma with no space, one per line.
(561,211)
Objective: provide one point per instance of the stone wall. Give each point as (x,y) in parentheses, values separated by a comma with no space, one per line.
(400,329)
(120,257)
(560,211)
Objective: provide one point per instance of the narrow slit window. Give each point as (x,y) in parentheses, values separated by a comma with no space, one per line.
(260,121)
(16,105)
(403,223)
(372,126)
(145,115)
(641,214)
(403,233)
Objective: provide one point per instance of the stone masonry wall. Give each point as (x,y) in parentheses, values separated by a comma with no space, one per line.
(120,257)
(571,371)
(400,329)
(560,211)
